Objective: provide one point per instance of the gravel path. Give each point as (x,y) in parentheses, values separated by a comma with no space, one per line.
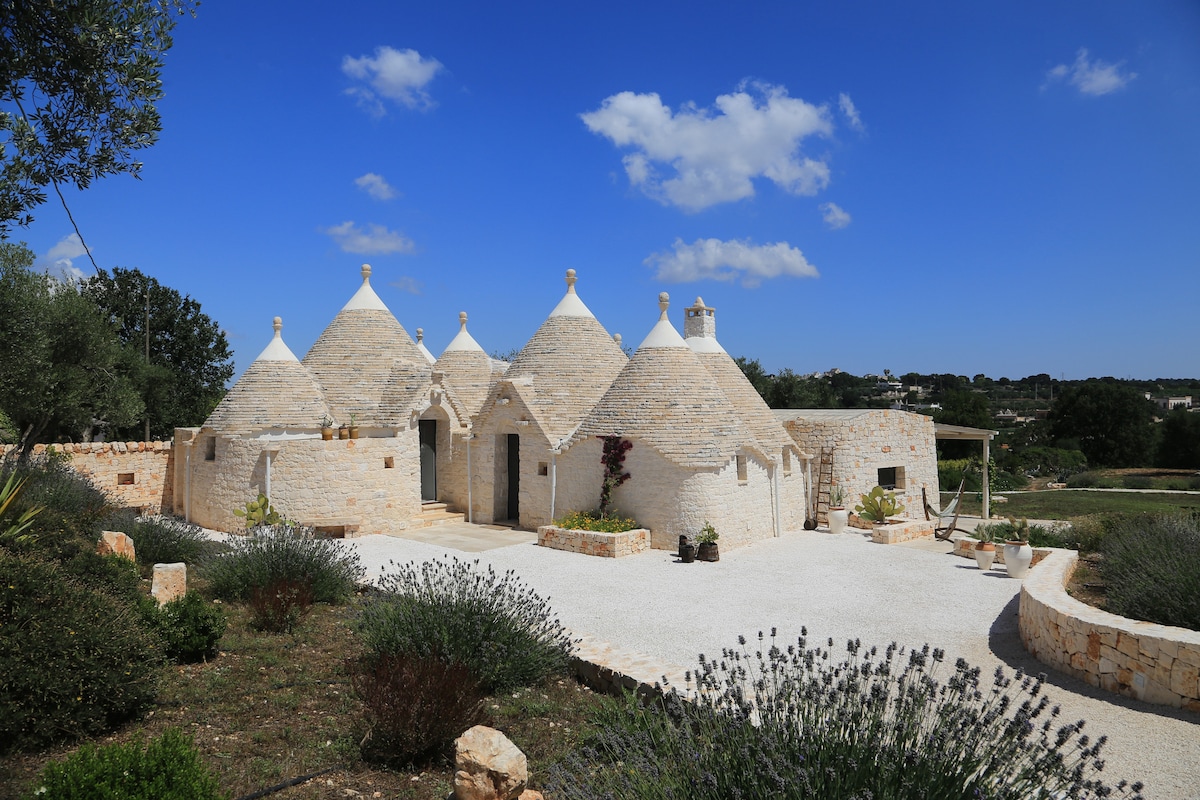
(838,586)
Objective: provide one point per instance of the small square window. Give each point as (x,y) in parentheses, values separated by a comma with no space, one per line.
(741,469)
(891,477)
(124,479)
(543,468)
(389,462)
(210,449)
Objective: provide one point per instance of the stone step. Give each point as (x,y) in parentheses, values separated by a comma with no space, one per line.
(433,514)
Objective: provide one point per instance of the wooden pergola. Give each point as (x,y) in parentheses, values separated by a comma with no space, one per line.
(960,433)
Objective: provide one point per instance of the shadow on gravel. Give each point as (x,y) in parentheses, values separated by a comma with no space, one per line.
(1004,640)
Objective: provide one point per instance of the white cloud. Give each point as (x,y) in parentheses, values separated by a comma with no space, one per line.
(407,284)
(372,240)
(850,112)
(59,259)
(397,75)
(376,186)
(713,259)
(835,216)
(1091,77)
(712,155)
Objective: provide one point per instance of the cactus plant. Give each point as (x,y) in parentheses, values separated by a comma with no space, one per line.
(259,512)
(878,505)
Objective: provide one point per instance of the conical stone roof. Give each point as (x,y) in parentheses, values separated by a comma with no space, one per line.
(565,368)
(665,397)
(367,363)
(421,346)
(467,368)
(747,402)
(275,392)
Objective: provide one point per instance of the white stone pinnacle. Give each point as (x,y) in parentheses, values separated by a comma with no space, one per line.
(277,350)
(571,305)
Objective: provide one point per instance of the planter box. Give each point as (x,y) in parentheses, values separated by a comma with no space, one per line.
(965,547)
(594,543)
(894,532)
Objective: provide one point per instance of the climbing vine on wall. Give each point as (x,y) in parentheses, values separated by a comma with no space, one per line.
(613,460)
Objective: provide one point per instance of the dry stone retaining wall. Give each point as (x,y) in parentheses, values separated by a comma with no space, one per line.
(1155,663)
(134,474)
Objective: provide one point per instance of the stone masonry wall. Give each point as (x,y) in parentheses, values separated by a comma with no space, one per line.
(1155,663)
(369,485)
(670,500)
(134,474)
(864,444)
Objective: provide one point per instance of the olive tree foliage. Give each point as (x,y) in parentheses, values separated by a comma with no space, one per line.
(190,361)
(1113,422)
(78,86)
(63,370)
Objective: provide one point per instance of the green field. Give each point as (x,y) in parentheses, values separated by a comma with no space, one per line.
(1067,503)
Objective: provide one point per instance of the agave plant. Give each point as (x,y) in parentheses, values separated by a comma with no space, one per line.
(878,505)
(15,532)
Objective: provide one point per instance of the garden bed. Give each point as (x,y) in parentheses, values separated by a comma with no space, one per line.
(595,543)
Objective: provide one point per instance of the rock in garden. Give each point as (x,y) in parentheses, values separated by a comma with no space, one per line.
(170,581)
(487,766)
(115,543)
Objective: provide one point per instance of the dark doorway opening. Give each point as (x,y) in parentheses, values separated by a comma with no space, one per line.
(428,433)
(514,476)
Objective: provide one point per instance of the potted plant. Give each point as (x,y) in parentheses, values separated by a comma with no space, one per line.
(985,548)
(878,505)
(707,538)
(839,517)
(1018,555)
(687,550)
(326,425)
(353,429)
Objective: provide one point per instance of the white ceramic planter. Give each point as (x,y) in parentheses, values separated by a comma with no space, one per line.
(984,558)
(838,519)
(1017,557)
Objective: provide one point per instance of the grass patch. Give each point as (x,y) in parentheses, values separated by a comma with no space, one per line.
(271,707)
(1066,503)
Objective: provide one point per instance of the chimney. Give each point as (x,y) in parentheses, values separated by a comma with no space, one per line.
(700,322)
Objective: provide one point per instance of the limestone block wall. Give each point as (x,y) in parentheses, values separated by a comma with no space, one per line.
(371,483)
(452,469)
(1155,663)
(134,474)
(865,443)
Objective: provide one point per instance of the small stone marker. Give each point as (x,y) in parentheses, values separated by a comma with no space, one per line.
(488,766)
(170,581)
(115,543)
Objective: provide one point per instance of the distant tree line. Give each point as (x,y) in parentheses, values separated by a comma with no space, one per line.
(1093,423)
(78,362)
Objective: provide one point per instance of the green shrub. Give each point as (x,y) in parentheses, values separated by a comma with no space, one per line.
(114,574)
(494,624)
(279,606)
(951,472)
(595,521)
(167,768)
(74,509)
(269,555)
(1151,566)
(190,627)
(1008,482)
(415,705)
(800,722)
(1137,482)
(164,540)
(1093,480)
(74,661)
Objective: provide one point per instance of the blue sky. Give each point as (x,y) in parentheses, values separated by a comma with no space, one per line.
(999,187)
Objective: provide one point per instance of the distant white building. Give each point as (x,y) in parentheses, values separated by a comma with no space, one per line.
(1172,403)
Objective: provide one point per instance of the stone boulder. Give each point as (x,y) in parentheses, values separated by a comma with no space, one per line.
(487,766)
(115,543)
(170,581)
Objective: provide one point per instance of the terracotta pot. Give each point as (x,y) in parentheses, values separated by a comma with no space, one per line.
(343,432)
(707,551)
(838,519)
(687,553)
(326,434)
(353,431)
(985,554)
